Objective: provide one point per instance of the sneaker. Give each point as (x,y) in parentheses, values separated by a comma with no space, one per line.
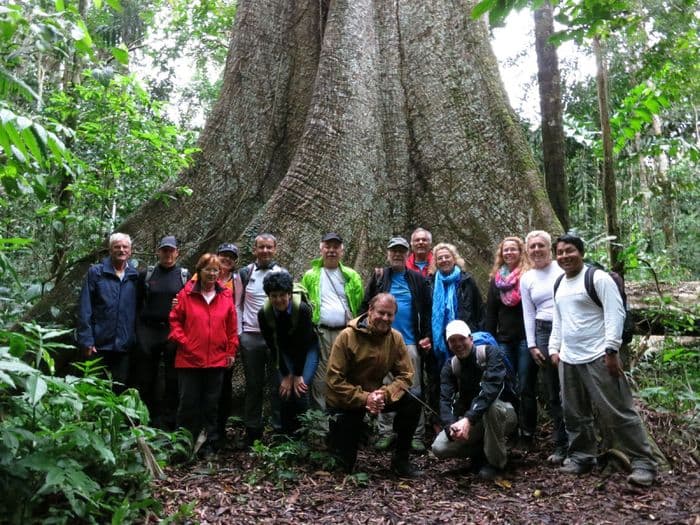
(417,446)
(384,442)
(573,467)
(489,472)
(558,457)
(403,468)
(641,477)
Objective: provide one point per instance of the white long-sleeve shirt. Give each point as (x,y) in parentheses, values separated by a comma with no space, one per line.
(581,330)
(536,287)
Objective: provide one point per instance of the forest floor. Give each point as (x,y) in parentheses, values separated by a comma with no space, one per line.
(228,488)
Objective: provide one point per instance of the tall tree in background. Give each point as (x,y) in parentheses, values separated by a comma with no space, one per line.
(552,118)
(365,117)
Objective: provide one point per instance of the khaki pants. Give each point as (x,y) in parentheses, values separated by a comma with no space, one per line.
(487,438)
(326,338)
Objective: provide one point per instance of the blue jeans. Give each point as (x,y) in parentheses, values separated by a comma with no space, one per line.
(543,329)
(526,384)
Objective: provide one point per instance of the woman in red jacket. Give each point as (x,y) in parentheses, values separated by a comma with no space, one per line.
(204,326)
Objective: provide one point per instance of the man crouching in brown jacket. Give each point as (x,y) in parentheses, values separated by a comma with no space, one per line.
(362,355)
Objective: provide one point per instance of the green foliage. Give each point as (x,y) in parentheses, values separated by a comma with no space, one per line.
(670,380)
(280,460)
(69,447)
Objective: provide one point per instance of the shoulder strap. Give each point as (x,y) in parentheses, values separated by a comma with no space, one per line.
(149,274)
(481,356)
(456,366)
(590,287)
(296,307)
(556,284)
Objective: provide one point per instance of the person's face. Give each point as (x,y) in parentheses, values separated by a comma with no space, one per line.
(444,260)
(331,253)
(511,253)
(167,256)
(264,250)
(381,315)
(420,244)
(228,262)
(210,274)
(280,300)
(119,252)
(460,345)
(569,258)
(539,251)
(397,258)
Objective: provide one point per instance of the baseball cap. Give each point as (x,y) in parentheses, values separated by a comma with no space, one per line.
(398,241)
(228,247)
(457,327)
(169,241)
(332,236)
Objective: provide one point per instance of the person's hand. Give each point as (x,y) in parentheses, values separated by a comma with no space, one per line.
(300,387)
(460,429)
(90,350)
(554,358)
(425,344)
(537,356)
(612,362)
(375,402)
(286,386)
(229,361)
(174,303)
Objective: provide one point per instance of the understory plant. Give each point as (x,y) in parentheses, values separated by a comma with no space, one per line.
(71,449)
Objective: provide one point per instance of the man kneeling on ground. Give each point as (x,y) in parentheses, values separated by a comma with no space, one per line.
(362,355)
(475,403)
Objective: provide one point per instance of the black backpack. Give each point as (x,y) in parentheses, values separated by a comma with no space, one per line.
(628,325)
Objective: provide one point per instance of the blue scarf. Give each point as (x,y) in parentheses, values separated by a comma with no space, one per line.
(444,310)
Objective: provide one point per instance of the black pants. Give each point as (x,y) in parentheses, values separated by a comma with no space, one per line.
(154,348)
(117,367)
(200,390)
(346,427)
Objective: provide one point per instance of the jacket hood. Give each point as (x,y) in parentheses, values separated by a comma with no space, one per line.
(359,324)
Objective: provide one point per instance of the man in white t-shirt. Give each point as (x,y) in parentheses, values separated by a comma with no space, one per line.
(257,362)
(584,344)
(336,292)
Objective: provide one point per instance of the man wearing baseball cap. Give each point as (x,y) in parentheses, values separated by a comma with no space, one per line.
(476,402)
(335,291)
(412,321)
(156,288)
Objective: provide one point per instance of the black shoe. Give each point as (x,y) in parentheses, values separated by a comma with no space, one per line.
(251,436)
(489,472)
(402,467)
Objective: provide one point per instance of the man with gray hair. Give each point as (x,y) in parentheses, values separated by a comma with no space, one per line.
(107,310)
(258,366)
(335,291)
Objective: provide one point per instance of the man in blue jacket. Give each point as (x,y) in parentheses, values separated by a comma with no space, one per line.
(107,313)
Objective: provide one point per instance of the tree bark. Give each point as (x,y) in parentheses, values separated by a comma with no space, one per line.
(364,117)
(552,119)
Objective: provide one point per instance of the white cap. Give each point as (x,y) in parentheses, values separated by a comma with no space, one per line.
(457,327)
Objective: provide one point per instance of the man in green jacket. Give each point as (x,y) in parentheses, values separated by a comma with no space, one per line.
(336,293)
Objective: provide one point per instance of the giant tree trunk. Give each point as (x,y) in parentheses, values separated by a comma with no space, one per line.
(552,115)
(366,117)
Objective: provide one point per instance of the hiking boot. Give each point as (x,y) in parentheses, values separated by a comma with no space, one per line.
(384,442)
(417,446)
(558,457)
(641,477)
(403,468)
(489,472)
(251,436)
(573,467)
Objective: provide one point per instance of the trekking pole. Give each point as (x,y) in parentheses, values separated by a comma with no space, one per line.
(446,429)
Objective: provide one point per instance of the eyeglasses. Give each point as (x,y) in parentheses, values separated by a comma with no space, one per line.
(211,270)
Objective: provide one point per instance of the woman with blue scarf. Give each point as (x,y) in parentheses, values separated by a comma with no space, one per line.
(455,296)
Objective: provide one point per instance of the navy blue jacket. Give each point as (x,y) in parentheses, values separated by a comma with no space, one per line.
(107,313)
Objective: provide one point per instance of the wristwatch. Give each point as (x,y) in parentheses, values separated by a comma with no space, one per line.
(610,351)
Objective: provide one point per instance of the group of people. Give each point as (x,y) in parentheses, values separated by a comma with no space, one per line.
(417,347)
